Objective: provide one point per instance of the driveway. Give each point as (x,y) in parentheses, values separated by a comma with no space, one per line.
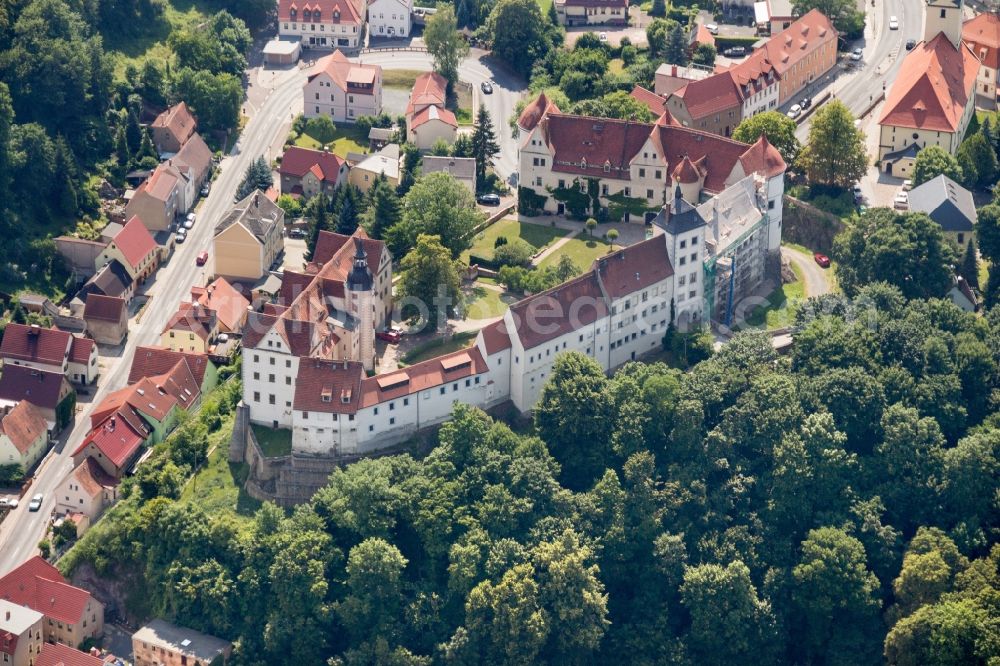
(635,30)
(817,280)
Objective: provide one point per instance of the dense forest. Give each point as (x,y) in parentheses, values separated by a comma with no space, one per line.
(835,506)
(72,102)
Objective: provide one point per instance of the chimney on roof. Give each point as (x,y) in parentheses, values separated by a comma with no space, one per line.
(673,70)
(8,616)
(35,330)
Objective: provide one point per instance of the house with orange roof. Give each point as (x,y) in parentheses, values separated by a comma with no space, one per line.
(229,305)
(155,361)
(134,247)
(305,172)
(249,240)
(192,328)
(158,199)
(192,166)
(342,90)
(933,96)
(56,654)
(323,24)
(24,435)
(427,118)
(173,128)
(88,490)
(49,392)
(802,53)
(72,615)
(982,34)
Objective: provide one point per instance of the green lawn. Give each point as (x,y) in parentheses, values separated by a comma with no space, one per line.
(438,347)
(463,105)
(544,5)
(486,303)
(984,273)
(582,250)
(616,66)
(348,139)
(402,79)
(219,486)
(274,442)
(783,303)
(536,235)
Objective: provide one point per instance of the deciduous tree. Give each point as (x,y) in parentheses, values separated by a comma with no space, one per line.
(933,161)
(430,276)
(445,43)
(777,127)
(835,153)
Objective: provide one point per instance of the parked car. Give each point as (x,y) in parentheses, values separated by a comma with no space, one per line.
(795,111)
(297,233)
(202,258)
(205,189)
(712,28)
(735,51)
(36,502)
(806,103)
(8,504)
(391,335)
(901,201)
(488,199)
(907,185)
(486,87)
(181,236)
(893,23)
(188,224)
(821,259)
(910,43)
(857,54)
(603,37)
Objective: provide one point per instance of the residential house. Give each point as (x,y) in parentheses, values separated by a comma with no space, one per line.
(670,78)
(323,24)
(192,328)
(87,490)
(191,167)
(932,98)
(24,436)
(158,200)
(427,119)
(50,349)
(328,312)
(20,634)
(249,239)
(71,614)
(106,318)
(160,643)
(49,392)
(306,173)
(982,35)
(710,105)
(773,16)
(591,12)
(366,170)
(463,169)
(172,128)
(657,105)
(950,205)
(700,35)
(802,53)
(342,90)
(115,443)
(56,654)
(134,247)
(389,19)
(229,305)
(114,281)
(155,361)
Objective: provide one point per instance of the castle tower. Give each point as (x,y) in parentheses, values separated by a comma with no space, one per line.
(359,287)
(944,16)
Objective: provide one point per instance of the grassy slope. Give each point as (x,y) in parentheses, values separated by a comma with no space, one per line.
(582,250)
(152,43)
(536,235)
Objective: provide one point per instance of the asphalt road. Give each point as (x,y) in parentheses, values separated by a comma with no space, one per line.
(21,531)
(816,279)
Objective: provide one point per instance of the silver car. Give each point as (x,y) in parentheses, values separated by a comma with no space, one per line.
(36,502)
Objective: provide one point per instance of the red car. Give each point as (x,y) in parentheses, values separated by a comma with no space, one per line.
(390,335)
(822,259)
(202,258)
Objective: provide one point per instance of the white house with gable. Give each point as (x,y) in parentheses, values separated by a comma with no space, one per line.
(390,19)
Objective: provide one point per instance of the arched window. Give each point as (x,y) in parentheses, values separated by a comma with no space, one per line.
(316,14)
(336,14)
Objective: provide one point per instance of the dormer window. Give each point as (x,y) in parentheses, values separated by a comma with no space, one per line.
(316,14)
(336,14)
(306,15)
(292,13)
(607,167)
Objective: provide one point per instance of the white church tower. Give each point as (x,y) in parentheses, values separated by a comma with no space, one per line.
(359,288)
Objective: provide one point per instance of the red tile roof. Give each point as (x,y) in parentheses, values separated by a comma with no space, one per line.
(297,162)
(656,104)
(39,586)
(534,111)
(23,425)
(799,40)
(35,344)
(230,306)
(135,242)
(331,11)
(558,311)
(332,387)
(57,654)
(763,157)
(433,112)
(932,88)
(178,121)
(294,283)
(81,350)
(194,318)
(686,172)
(429,88)
(495,337)
(327,245)
(92,477)
(703,36)
(983,35)
(634,268)
(39,387)
(153,361)
(117,438)
(343,71)
(421,376)
(711,96)
(160,184)
(104,308)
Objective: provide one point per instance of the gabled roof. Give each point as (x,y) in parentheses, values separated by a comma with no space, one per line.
(258,214)
(195,156)
(135,241)
(346,74)
(633,268)
(433,112)
(230,305)
(799,40)
(422,376)
(39,387)
(35,344)
(39,586)
(656,104)
(331,11)
(57,654)
(429,88)
(459,167)
(178,121)
(701,35)
(332,387)
(495,337)
(534,112)
(153,361)
(112,280)
(23,425)
(687,172)
(707,97)
(297,162)
(982,33)
(546,315)
(762,157)
(81,349)
(194,318)
(946,202)
(104,308)
(160,185)
(932,88)
(92,478)
(117,438)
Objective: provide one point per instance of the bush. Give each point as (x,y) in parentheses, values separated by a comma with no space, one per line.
(11,475)
(516,253)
